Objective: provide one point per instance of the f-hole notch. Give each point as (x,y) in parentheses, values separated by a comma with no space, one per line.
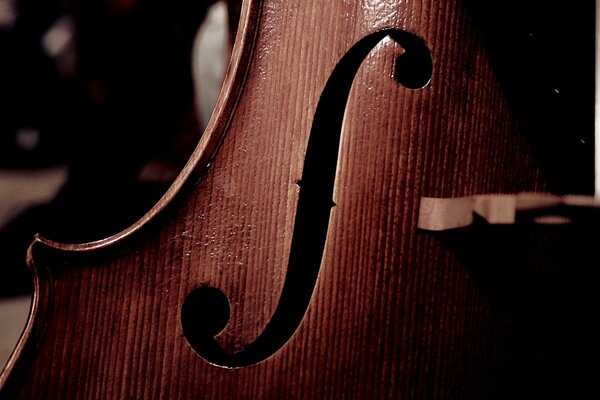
(205,311)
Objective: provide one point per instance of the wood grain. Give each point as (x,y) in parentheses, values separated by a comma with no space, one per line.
(396,312)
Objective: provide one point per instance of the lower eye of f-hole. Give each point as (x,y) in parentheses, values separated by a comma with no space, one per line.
(205,311)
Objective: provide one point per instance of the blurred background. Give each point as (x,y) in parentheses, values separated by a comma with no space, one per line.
(101,104)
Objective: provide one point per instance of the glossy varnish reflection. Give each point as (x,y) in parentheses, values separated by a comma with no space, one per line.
(394,312)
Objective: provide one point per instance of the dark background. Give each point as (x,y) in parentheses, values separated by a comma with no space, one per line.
(117,108)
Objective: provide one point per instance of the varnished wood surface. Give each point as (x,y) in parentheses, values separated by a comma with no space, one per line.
(395,312)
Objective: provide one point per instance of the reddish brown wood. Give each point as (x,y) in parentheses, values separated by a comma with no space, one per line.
(394,314)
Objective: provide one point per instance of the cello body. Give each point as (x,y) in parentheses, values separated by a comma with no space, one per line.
(285,261)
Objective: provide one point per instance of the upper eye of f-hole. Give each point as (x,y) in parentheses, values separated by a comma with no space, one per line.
(414,67)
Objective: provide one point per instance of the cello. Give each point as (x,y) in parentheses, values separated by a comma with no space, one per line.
(286,260)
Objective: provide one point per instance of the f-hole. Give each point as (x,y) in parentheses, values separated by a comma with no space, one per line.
(205,311)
